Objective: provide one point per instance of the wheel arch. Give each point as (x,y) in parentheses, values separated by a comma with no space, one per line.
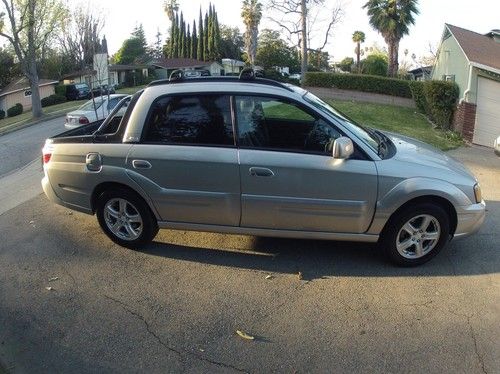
(440,201)
(105,186)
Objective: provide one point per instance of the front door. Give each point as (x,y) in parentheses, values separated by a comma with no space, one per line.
(187,161)
(289,180)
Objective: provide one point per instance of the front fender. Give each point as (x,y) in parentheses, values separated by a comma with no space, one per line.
(410,189)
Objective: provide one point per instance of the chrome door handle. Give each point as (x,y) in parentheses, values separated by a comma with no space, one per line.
(260,172)
(141,164)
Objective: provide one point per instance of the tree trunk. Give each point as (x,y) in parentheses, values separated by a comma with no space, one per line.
(390,55)
(36,103)
(32,74)
(395,52)
(358,51)
(303,20)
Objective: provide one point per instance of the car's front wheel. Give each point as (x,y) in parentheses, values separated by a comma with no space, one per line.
(416,234)
(126,218)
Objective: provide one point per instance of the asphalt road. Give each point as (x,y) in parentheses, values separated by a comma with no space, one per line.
(175,305)
(19,148)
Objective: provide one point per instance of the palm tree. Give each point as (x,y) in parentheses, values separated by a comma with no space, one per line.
(170,7)
(251,12)
(358,37)
(392,19)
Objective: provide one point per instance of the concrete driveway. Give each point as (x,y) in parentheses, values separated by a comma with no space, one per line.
(175,306)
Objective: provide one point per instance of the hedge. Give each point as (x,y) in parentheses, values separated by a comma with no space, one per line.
(60,90)
(2,114)
(15,110)
(437,99)
(52,100)
(360,82)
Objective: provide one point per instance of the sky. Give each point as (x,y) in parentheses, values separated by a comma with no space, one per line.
(121,16)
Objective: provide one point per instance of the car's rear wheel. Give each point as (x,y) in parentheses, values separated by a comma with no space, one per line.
(416,234)
(125,218)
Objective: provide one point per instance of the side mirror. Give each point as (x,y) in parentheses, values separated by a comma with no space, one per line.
(342,148)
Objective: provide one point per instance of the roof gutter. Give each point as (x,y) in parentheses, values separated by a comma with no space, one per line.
(469,83)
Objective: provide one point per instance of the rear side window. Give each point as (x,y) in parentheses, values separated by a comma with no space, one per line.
(200,119)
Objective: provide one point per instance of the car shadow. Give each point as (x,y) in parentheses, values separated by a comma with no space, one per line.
(316,259)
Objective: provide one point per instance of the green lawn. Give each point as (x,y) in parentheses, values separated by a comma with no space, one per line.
(26,116)
(129,90)
(406,121)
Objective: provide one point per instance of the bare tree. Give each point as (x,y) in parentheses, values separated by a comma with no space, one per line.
(31,26)
(81,36)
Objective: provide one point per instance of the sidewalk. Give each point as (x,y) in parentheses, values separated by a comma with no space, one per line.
(20,185)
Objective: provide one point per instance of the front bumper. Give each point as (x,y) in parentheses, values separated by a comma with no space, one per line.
(469,219)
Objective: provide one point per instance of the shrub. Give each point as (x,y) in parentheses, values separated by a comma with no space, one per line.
(15,110)
(346,64)
(417,91)
(360,82)
(437,99)
(2,114)
(52,100)
(60,90)
(375,65)
(441,98)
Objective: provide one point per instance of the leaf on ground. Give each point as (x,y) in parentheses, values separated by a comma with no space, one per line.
(299,275)
(49,288)
(269,276)
(244,335)
(53,279)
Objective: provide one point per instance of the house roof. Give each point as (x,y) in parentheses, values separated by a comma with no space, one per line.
(180,63)
(126,67)
(478,48)
(79,73)
(21,84)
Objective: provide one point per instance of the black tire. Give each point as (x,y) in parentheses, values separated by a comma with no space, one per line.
(394,233)
(145,232)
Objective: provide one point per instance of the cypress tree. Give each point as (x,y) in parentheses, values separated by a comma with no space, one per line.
(201,39)
(194,42)
(206,54)
(211,33)
(175,37)
(217,41)
(189,42)
(182,37)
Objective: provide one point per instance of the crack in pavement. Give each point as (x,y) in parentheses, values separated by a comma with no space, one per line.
(476,350)
(181,354)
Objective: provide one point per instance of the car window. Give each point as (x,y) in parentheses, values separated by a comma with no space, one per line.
(112,102)
(81,86)
(197,119)
(111,124)
(271,123)
(89,105)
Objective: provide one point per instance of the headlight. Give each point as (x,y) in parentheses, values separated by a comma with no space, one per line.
(477,193)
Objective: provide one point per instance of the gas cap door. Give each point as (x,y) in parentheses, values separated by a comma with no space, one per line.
(93,161)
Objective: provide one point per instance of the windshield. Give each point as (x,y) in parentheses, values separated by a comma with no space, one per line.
(89,105)
(366,135)
(81,85)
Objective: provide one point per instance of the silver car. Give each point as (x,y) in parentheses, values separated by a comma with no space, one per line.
(257,157)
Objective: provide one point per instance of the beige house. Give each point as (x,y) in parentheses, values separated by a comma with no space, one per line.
(18,91)
(472,61)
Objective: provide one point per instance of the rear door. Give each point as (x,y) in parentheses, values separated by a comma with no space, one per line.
(187,160)
(289,179)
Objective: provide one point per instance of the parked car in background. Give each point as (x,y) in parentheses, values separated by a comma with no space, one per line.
(77,91)
(496,145)
(197,73)
(258,157)
(89,112)
(103,90)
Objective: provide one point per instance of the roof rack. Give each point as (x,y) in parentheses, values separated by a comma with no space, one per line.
(247,75)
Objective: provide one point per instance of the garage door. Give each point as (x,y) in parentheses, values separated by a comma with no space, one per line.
(487,127)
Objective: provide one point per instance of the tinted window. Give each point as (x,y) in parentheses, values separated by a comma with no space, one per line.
(200,119)
(271,123)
